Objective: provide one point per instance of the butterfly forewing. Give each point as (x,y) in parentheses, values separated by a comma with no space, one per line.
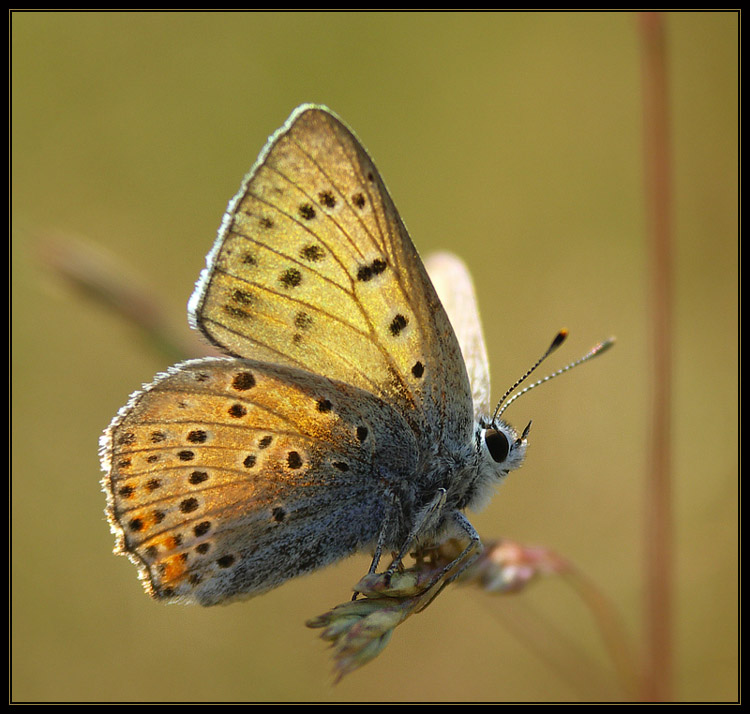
(454,286)
(313,268)
(223,468)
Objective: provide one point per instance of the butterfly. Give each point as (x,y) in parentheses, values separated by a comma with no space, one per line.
(352,412)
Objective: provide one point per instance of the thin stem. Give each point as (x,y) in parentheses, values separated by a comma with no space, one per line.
(507,567)
(657,676)
(105,280)
(609,625)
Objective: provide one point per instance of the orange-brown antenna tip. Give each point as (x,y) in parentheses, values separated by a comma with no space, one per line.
(560,337)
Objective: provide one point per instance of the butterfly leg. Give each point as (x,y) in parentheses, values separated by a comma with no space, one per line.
(419,579)
(467,556)
(378,549)
(452,570)
(373,582)
(433,509)
(385,530)
(457,566)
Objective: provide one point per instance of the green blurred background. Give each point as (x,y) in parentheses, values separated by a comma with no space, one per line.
(514,139)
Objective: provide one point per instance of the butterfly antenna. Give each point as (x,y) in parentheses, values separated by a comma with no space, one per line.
(559,339)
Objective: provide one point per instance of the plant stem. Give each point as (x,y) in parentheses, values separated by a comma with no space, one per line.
(657,676)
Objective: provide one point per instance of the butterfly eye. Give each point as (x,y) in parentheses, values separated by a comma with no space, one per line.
(497,444)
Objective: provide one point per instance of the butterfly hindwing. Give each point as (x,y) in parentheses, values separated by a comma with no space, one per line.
(227,477)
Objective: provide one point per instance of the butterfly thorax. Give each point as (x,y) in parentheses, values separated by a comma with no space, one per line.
(469,474)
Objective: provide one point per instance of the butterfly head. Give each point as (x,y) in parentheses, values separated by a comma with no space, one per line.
(501,448)
(498,443)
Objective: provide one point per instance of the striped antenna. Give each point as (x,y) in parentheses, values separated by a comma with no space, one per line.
(559,339)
